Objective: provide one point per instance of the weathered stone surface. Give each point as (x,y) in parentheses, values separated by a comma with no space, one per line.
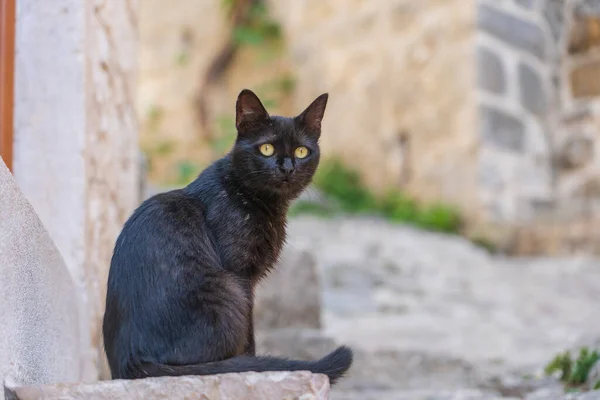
(405,72)
(527,4)
(533,95)
(583,35)
(552,393)
(392,369)
(576,152)
(589,8)
(75,150)
(558,393)
(584,80)
(248,386)
(522,34)
(593,377)
(490,71)
(460,394)
(300,344)
(554,14)
(291,295)
(451,299)
(501,130)
(593,395)
(39,302)
(518,386)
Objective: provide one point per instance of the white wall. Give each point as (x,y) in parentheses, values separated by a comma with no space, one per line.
(75,149)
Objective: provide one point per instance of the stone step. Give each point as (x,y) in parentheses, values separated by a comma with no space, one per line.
(460,394)
(249,386)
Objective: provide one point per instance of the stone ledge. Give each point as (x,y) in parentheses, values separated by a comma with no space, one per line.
(301,385)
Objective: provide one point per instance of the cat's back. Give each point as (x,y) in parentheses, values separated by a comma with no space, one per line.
(169,225)
(172,214)
(163,228)
(162,213)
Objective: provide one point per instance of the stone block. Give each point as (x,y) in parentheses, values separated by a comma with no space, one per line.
(589,8)
(515,31)
(248,386)
(501,130)
(41,338)
(291,295)
(531,90)
(554,14)
(585,80)
(491,75)
(576,152)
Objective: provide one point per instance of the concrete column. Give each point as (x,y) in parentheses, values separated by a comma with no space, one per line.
(75,150)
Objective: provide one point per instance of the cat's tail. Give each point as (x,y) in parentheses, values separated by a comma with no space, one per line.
(334,365)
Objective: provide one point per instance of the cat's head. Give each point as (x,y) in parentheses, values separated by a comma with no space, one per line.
(273,154)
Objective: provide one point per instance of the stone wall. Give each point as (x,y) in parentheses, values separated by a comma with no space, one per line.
(400,77)
(41,307)
(490,105)
(399,74)
(537,64)
(75,150)
(517,50)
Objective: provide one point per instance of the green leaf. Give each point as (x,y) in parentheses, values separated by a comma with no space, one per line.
(399,208)
(345,186)
(439,217)
(246,35)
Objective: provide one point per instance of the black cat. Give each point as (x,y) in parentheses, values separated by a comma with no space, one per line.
(181,281)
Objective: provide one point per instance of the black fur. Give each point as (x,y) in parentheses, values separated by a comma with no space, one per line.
(181,281)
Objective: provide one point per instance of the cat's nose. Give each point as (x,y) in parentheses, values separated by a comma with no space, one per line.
(287,167)
(286,171)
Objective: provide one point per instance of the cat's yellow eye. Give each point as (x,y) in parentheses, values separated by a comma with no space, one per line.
(301,152)
(267,149)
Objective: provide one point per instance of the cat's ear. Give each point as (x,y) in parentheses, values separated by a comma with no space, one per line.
(249,110)
(313,115)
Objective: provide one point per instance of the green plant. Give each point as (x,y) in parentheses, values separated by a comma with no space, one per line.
(345,188)
(560,363)
(484,243)
(573,371)
(257,29)
(439,217)
(396,206)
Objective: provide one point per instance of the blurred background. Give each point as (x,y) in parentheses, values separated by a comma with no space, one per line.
(451,234)
(486,108)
